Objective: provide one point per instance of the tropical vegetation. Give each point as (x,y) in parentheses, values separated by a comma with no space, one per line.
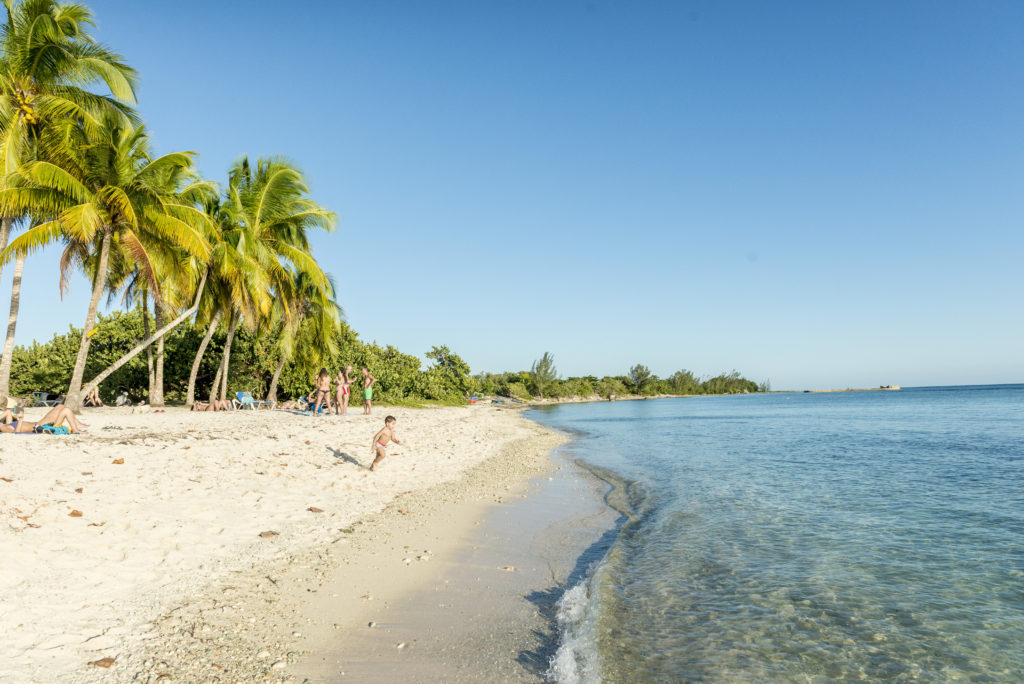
(258,366)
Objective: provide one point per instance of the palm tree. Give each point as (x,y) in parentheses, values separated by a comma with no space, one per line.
(235,284)
(157,269)
(98,190)
(312,313)
(47,61)
(267,216)
(179,274)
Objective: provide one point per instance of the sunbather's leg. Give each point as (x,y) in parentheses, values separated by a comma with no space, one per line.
(60,413)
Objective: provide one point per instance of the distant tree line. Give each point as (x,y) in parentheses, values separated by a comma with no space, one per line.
(543,381)
(401,378)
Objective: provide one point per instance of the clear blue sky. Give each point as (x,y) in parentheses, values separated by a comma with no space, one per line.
(823,194)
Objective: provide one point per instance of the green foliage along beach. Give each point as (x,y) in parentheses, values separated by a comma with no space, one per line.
(255,357)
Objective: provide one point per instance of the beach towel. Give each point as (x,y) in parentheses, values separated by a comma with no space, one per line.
(49,429)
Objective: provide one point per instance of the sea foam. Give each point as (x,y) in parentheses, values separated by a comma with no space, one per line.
(576,659)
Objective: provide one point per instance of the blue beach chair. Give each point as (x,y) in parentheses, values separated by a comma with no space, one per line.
(43,399)
(245,400)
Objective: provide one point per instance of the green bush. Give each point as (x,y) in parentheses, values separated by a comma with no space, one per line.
(517,389)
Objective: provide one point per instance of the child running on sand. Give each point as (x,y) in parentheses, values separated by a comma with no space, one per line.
(381,439)
(368,381)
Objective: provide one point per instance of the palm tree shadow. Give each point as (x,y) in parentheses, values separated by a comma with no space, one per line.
(537,660)
(345,457)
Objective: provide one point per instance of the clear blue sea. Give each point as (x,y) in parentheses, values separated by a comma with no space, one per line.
(803,537)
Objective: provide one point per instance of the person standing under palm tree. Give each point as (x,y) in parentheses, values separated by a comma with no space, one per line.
(368,381)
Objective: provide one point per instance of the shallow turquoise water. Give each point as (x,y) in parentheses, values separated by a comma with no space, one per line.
(804,537)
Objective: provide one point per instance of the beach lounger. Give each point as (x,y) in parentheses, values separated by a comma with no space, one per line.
(43,399)
(245,400)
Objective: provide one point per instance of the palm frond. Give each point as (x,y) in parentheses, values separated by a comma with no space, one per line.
(32,240)
(54,177)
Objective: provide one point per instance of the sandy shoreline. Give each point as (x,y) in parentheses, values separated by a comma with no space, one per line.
(158,562)
(479,604)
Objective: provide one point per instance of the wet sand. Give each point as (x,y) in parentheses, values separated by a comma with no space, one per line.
(482,608)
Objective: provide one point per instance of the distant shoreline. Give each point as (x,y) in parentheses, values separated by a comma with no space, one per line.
(528,403)
(883,388)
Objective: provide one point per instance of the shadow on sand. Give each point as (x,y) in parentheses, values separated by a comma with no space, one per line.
(347,458)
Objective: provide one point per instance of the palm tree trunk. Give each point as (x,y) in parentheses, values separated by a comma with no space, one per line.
(5,234)
(12,322)
(227,355)
(156,397)
(272,392)
(191,396)
(74,397)
(216,380)
(145,331)
(149,340)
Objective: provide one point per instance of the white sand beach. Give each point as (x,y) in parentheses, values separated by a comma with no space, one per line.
(104,564)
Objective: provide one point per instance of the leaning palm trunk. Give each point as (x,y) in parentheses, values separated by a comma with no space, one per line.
(12,322)
(272,392)
(156,396)
(227,356)
(216,380)
(74,398)
(191,396)
(149,340)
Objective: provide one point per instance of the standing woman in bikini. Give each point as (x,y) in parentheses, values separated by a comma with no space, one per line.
(344,390)
(323,390)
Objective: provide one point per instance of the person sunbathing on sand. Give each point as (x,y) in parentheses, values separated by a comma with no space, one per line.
(60,413)
(215,405)
(300,404)
(381,439)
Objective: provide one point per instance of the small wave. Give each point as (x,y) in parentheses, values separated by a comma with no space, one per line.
(575,660)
